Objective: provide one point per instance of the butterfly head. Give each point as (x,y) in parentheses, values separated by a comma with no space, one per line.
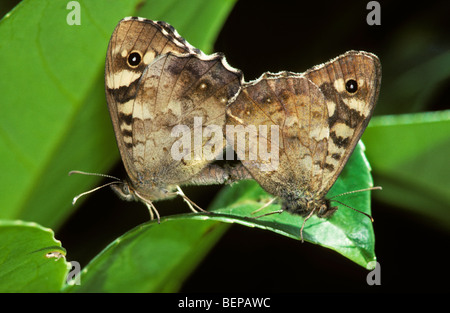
(143,191)
(325,209)
(308,205)
(125,191)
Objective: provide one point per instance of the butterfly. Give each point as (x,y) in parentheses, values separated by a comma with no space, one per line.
(319,116)
(155,81)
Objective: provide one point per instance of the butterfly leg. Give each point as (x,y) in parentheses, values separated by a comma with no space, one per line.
(304,222)
(151,209)
(189,202)
(270,213)
(265,205)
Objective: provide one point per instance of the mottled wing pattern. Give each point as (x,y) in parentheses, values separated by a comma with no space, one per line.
(173,92)
(349,111)
(297,107)
(321,115)
(148,39)
(155,81)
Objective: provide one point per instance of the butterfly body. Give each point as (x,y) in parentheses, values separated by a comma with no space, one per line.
(306,202)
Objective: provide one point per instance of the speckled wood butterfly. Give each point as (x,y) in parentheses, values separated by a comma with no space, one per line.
(155,80)
(321,115)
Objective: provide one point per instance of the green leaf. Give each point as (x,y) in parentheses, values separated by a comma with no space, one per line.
(348,232)
(198,21)
(157,258)
(404,88)
(151,257)
(59,120)
(31,260)
(409,155)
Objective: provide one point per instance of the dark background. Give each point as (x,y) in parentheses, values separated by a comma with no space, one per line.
(280,35)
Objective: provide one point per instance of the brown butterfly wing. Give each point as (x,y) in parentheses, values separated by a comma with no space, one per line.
(149,39)
(297,107)
(173,92)
(320,122)
(349,110)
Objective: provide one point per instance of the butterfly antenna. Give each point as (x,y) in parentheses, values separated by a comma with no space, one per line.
(94,174)
(355,191)
(116,181)
(368,215)
(92,190)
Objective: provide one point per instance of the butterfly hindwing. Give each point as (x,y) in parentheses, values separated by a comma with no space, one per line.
(295,106)
(349,109)
(147,39)
(189,92)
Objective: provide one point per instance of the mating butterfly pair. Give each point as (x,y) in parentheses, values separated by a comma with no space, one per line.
(155,80)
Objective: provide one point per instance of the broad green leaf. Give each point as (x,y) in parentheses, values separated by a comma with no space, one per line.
(53,114)
(198,21)
(409,155)
(31,260)
(155,258)
(151,257)
(348,232)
